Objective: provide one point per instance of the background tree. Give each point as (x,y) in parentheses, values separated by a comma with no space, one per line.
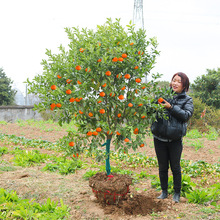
(207,88)
(98,83)
(7,95)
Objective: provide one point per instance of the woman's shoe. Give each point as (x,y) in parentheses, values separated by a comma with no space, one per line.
(176,197)
(163,195)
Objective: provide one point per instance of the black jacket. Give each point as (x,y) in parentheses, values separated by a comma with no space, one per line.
(174,128)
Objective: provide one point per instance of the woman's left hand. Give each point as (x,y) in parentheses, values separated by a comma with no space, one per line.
(166,104)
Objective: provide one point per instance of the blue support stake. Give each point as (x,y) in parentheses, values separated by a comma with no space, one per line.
(107,162)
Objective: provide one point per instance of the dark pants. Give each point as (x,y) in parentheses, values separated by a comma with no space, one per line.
(169,153)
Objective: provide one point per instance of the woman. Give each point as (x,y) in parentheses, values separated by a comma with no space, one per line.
(168,134)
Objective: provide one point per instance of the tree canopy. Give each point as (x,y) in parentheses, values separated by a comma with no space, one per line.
(207,87)
(7,95)
(99,83)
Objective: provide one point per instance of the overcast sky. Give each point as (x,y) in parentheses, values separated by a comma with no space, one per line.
(188,32)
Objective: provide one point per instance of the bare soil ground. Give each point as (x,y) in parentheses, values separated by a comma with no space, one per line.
(32,183)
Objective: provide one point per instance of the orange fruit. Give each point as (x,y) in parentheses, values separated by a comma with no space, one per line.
(108,132)
(120,59)
(110,94)
(141,145)
(102,94)
(78,67)
(104,85)
(136,67)
(138,80)
(81,50)
(136,131)
(160,100)
(131,43)
(121,97)
(102,111)
(143,87)
(68,91)
(99,60)
(74,155)
(98,129)
(77,154)
(108,73)
(124,55)
(126,140)
(95,133)
(143,116)
(127,76)
(68,81)
(59,77)
(119,115)
(130,105)
(115,59)
(99,101)
(139,52)
(135,113)
(118,133)
(53,105)
(72,100)
(80,112)
(53,87)
(140,104)
(89,133)
(90,114)
(58,105)
(71,144)
(79,82)
(77,100)
(123,88)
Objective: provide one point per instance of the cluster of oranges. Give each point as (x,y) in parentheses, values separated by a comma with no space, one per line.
(53,105)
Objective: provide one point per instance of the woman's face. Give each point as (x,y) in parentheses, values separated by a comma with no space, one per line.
(176,84)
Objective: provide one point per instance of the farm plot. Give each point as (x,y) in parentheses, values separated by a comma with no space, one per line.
(33,166)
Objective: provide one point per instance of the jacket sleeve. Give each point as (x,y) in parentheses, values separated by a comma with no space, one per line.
(183,114)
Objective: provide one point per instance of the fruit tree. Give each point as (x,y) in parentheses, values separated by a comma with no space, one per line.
(100,83)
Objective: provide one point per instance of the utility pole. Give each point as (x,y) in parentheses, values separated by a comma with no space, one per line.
(138,17)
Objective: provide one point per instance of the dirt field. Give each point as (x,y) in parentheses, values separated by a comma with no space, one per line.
(32,183)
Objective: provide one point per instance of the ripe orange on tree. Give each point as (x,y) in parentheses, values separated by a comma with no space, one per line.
(136,131)
(136,67)
(131,43)
(138,80)
(90,114)
(141,145)
(124,55)
(68,81)
(68,91)
(143,116)
(81,50)
(121,97)
(120,59)
(79,82)
(143,87)
(140,104)
(59,77)
(95,133)
(109,132)
(102,111)
(130,104)
(89,133)
(126,140)
(53,87)
(72,100)
(78,67)
(118,133)
(53,105)
(108,73)
(71,144)
(58,105)
(104,85)
(99,60)
(115,59)
(98,129)
(102,94)
(80,112)
(99,101)
(119,115)
(123,88)
(127,76)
